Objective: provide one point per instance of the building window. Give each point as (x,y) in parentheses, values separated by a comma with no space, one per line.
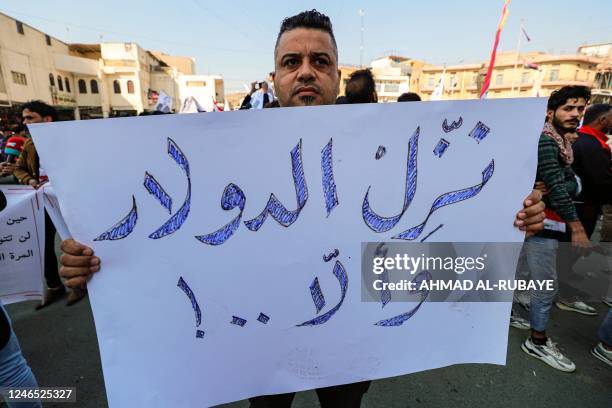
(19,27)
(130,87)
(391,87)
(60,84)
(525,78)
(94,86)
(51,80)
(82,86)
(199,83)
(116,87)
(588,76)
(19,78)
(67,84)
(554,73)
(430,81)
(499,79)
(48,39)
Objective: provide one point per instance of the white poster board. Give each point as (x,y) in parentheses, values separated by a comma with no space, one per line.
(168,241)
(22,244)
(52,206)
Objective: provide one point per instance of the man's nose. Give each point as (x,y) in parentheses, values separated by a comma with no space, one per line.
(306,72)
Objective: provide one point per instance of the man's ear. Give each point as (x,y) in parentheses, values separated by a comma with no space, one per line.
(273,75)
(47,119)
(549,114)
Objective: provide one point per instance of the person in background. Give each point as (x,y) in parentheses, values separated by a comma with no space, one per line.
(30,172)
(555,156)
(409,97)
(12,150)
(593,165)
(361,88)
(14,369)
(262,97)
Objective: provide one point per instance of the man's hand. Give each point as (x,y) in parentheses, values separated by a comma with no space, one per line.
(531,218)
(6,169)
(78,263)
(541,187)
(580,241)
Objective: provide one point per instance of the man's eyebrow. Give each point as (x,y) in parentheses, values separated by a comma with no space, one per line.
(321,54)
(291,54)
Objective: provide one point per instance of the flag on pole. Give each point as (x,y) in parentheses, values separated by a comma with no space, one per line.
(487,81)
(438,91)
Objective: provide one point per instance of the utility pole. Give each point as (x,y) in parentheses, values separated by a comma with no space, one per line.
(361,14)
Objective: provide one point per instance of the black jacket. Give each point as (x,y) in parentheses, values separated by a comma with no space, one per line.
(593,164)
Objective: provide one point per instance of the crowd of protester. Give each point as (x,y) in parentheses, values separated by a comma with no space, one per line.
(574,177)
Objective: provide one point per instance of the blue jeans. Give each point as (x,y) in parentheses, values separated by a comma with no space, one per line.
(605,330)
(14,370)
(541,257)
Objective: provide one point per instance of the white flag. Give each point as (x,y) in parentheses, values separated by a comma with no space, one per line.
(437,93)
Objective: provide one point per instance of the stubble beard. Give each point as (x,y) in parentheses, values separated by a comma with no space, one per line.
(562,129)
(308,100)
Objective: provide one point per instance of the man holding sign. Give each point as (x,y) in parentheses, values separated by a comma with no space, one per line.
(306,73)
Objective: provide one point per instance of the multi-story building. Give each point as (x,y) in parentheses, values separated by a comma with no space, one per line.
(94,80)
(392,77)
(529,74)
(28,70)
(602,85)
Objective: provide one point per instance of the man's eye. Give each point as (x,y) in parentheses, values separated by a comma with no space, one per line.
(291,62)
(322,61)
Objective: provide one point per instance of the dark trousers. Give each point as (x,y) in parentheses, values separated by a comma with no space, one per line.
(588,214)
(339,396)
(51,270)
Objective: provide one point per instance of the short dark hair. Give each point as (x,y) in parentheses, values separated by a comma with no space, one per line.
(361,87)
(41,108)
(409,97)
(312,19)
(560,96)
(593,112)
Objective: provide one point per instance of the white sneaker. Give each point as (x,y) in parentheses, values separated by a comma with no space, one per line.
(519,323)
(523,299)
(607,300)
(601,353)
(577,306)
(550,354)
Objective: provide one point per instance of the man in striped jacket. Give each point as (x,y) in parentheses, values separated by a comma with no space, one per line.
(555,156)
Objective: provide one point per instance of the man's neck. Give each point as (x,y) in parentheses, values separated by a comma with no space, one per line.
(594,128)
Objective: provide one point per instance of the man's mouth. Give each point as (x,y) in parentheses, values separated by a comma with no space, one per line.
(307,91)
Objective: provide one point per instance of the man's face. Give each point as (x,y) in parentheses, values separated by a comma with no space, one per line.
(567,117)
(306,68)
(28,117)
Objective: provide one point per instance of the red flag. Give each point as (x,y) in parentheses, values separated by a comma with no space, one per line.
(487,81)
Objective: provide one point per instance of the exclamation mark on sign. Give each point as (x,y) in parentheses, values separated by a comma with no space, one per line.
(194,303)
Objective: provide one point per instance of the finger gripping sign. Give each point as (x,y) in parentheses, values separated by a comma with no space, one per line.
(232,251)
